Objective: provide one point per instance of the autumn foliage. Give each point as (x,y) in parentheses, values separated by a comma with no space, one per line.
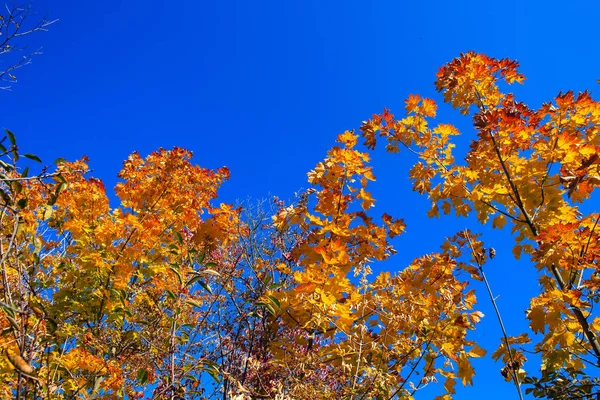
(170,294)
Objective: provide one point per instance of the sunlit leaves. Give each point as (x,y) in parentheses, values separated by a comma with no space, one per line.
(116,290)
(167,287)
(471,79)
(524,169)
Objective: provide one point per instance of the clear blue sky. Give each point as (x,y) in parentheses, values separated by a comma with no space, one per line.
(264,87)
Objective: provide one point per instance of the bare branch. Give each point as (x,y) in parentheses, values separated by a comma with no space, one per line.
(15,23)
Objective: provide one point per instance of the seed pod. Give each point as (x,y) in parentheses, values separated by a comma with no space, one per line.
(18,362)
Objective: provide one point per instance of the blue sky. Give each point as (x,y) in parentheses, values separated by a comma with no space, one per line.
(264,87)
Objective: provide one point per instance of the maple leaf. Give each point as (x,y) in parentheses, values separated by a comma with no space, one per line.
(477,352)
(349,138)
(428,108)
(537,316)
(499,222)
(465,370)
(412,102)
(367,200)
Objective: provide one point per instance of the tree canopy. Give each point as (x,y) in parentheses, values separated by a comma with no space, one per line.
(171,294)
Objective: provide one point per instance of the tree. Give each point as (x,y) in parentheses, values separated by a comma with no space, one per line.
(529,168)
(16,23)
(169,295)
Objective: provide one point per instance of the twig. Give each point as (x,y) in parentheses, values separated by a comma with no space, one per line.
(493,300)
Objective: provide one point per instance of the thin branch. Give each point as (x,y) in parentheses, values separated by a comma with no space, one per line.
(496,309)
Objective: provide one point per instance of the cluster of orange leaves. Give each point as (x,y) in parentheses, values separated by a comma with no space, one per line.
(528,168)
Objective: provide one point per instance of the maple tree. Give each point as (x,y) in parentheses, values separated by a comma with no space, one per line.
(171,295)
(528,168)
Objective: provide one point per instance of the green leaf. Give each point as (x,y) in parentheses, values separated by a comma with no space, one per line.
(184,337)
(116,293)
(32,157)
(267,279)
(22,203)
(193,257)
(6,166)
(11,137)
(205,286)
(60,187)
(61,179)
(13,322)
(9,309)
(170,294)
(266,306)
(178,274)
(52,200)
(6,198)
(275,301)
(193,280)
(213,369)
(194,303)
(16,186)
(179,237)
(142,375)
(25,172)
(59,160)
(51,324)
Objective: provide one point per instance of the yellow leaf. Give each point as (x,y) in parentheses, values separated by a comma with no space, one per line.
(349,139)
(537,316)
(47,212)
(446,207)
(477,352)
(367,200)
(434,211)
(588,150)
(465,370)
(412,102)
(428,108)
(500,189)
(517,251)
(18,362)
(449,385)
(470,299)
(476,316)
(521,339)
(499,221)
